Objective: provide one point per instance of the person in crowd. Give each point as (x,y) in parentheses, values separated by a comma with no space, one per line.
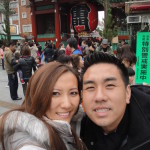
(43,121)
(53,44)
(49,53)
(61,49)
(115,119)
(18,47)
(131,73)
(105,47)
(23,42)
(33,49)
(38,62)
(72,45)
(68,51)
(123,43)
(14,62)
(26,63)
(39,48)
(126,49)
(78,62)
(128,59)
(89,48)
(83,45)
(65,59)
(119,49)
(12,75)
(1,56)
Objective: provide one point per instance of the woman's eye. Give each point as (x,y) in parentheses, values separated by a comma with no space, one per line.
(56,93)
(74,93)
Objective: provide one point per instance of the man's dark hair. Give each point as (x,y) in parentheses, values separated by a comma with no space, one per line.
(131,72)
(100,57)
(72,42)
(31,43)
(65,59)
(11,43)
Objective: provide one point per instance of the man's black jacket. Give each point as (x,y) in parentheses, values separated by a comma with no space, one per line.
(137,130)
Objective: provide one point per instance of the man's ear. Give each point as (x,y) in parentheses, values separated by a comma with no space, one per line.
(128,94)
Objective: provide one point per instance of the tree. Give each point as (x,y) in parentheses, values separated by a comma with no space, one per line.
(110,30)
(5,9)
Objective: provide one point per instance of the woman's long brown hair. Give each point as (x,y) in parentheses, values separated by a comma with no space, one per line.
(38,99)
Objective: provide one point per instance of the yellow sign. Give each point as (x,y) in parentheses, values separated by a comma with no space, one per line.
(13,29)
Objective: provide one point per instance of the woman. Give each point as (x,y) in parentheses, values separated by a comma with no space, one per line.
(42,123)
(61,49)
(78,62)
(25,64)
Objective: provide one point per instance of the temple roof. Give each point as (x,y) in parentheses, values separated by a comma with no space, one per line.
(98,3)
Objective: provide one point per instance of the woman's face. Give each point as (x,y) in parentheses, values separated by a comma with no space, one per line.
(65,98)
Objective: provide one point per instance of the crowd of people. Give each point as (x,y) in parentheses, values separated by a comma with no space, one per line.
(79,97)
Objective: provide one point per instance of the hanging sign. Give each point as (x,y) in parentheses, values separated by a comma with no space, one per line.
(84,17)
(142,74)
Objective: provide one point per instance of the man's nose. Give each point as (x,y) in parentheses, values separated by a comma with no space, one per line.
(100,95)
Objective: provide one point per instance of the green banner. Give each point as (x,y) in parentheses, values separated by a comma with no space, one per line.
(47,7)
(142,74)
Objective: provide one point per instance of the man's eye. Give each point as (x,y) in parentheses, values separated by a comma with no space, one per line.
(110,86)
(89,88)
(56,93)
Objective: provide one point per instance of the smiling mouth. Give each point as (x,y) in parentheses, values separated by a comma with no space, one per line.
(102,110)
(64,115)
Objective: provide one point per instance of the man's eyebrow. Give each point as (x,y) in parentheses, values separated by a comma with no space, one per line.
(110,79)
(88,82)
(105,80)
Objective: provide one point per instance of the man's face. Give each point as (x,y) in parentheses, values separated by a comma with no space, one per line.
(104,45)
(105,95)
(13,48)
(122,42)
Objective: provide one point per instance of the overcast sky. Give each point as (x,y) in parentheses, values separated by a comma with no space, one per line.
(101,15)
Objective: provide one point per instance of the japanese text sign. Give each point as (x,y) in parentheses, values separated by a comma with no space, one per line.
(142,74)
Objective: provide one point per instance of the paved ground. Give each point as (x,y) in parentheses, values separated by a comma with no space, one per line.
(5,101)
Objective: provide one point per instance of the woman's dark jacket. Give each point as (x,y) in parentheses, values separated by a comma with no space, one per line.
(26,64)
(49,54)
(134,129)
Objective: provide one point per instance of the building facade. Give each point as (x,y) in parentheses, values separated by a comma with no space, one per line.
(20,21)
(55,19)
(138,18)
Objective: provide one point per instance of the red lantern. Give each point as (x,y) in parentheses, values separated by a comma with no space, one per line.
(84,17)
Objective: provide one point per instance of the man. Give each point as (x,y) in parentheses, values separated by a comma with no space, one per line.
(123,43)
(104,47)
(12,75)
(34,49)
(72,45)
(115,119)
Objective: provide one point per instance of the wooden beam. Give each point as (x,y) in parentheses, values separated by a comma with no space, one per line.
(57,24)
(45,39)
(44,12)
